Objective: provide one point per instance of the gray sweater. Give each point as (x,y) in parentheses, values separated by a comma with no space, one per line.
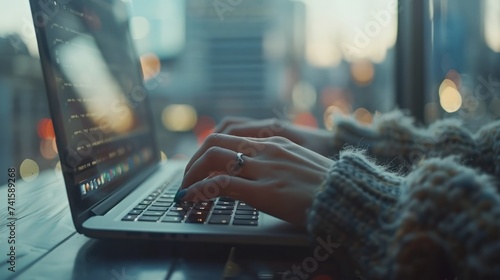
(410,203)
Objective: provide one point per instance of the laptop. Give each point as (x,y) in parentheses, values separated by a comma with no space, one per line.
(116,183)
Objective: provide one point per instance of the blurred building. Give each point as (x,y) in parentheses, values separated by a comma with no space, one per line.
(240,57)
(23,104)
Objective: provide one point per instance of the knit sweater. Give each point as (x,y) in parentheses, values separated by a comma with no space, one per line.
(411,203)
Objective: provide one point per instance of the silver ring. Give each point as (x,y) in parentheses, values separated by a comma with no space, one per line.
(239,159)
(239,162)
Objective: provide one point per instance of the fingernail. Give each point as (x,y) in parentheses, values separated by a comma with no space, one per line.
(179,195)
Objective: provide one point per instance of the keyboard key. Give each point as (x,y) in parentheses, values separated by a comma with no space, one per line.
(247,212)
(244,206)
(200,213)
(165,200)
(158,208)
(162,204)
(222,212)
(148,218)
(220,219)
(245,222)
(204,205)
(220,207)
(155,194)
(135,212)
(153,213)
(176,213)
(146,202)
(245,217)
(167,196)
(173,208)
(172,219)
(203,208)
(197,217)
(140,207)
(225,198)
(225,203)
(187,204)
(129,218)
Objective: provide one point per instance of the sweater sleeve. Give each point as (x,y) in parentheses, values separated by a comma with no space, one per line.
(394,140)
(440,221)
(355,198)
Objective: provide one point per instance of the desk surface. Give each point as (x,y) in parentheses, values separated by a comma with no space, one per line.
(48,247)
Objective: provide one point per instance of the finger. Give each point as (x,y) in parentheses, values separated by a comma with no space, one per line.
(222,185)
(229,142)
(258,129)
(293,152)
(227,122)
(220,160)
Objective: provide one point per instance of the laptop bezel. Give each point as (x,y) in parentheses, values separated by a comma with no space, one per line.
(81,210)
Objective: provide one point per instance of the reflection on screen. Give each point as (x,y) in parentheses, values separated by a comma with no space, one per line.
(100,92)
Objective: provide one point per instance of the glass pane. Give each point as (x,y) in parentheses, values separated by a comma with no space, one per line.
(465,75)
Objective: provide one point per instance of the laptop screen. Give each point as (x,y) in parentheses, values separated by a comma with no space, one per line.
(96,93)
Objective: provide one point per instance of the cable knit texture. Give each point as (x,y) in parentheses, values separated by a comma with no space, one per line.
(437,217)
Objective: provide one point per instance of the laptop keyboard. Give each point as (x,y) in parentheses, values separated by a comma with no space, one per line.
(160,207)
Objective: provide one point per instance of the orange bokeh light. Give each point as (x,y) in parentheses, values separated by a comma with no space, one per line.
(204,127)
(305,119)
(47,149)
(151,65)
(45,129)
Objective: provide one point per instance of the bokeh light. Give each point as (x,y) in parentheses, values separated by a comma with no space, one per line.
(362,72)
(363,116)
(303,96)
(305,119)
(151,65)
(54,145)
(47,149)
(204,127)
(29,170)
(45,129)
(57,167)
(449,96)
(163,156)
(329,115)
(445,84)
(491,24)
(179,117)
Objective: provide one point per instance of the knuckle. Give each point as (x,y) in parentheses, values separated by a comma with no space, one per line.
(279,139)
(275,149)
(212,139)
(213,152)
(231,129)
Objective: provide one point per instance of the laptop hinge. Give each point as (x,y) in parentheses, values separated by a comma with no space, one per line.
(104,207)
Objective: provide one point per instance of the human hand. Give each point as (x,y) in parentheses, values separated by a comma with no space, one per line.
(278,176)
(317,140)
